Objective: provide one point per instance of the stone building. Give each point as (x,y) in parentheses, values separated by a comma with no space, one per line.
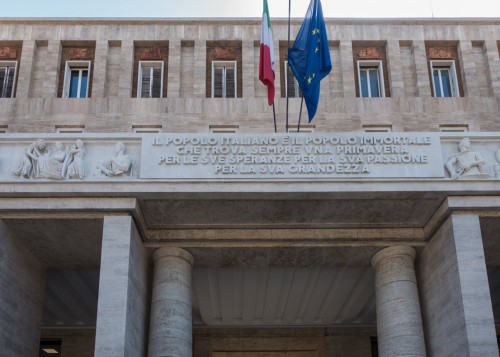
(148,208)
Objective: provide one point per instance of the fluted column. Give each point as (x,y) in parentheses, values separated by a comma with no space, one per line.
(399,321)
(170,332)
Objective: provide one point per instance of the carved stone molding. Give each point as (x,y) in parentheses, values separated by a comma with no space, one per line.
(8,53)
(440,53)
(150,53)
(224,53)
(369,53)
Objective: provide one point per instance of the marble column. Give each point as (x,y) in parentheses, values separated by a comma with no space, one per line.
(399,321)
(170,332)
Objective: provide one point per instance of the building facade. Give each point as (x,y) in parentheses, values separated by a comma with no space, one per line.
(149,208)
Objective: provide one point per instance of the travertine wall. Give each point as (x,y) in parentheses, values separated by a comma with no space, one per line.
(454,292)
(123,307)
(22,287)
(111,107)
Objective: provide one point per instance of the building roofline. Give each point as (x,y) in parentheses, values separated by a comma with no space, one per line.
(250,21)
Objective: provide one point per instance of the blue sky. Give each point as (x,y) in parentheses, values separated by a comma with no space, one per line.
(249,8)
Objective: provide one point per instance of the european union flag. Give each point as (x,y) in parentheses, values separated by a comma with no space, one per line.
(309,59)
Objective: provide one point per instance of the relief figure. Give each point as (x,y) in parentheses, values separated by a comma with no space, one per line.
(75,168)
(466,163)
(117,165)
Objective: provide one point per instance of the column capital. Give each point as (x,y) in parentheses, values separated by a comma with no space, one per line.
(173,252)
(392,251)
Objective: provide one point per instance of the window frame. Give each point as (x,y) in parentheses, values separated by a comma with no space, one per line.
(452,69)
(224,64)
(153,64)
(68,68)
(371,64)
(13,90)
(297,92)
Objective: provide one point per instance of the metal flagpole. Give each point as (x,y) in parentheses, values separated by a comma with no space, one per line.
(300,113)
(274,114)
(286,89)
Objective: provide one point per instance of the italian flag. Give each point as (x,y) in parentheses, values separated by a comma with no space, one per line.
(266,65)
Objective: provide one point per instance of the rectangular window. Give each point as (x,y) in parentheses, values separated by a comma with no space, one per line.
(444,79)
(371,79)
(150,79)
(305,128)
(8,71)
(224,79)
(223,129)
(377,128)
(291,84)
(76,79)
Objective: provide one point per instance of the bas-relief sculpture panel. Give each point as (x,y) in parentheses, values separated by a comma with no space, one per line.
(251,156)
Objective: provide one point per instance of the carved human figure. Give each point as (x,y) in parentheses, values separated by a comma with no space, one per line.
(497,167)
(466,162)
(50,164)
(75,168)
(27,165)
(118,164)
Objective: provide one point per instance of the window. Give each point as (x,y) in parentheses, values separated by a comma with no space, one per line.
(306,128)
(444,79)
(146,129)
(150,82)
(70,129)
(7,78)
(76,79)
(377,128)
(224,79)
(453,128)
(371,79)
(291,84)
(223,129)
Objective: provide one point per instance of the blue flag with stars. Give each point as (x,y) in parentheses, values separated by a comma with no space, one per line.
(309,59)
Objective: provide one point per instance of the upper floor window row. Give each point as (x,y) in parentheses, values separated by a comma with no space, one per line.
(224,71)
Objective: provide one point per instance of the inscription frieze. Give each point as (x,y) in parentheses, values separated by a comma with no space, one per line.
(291,156)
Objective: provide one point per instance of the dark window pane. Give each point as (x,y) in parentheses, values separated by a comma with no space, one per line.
(445,80)
(363,80)
(374,83)
(156,87)
(437,84)
(3,82)
(217,82)
(145,82)
(230,83)
(83,85)
(73,88)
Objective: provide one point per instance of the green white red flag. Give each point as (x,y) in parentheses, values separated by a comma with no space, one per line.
(266,65)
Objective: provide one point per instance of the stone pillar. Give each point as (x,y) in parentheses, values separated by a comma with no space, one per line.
(126,69)
(422,68)
(468,69)
(122,309)
(99,76)
(53,63)
(174,69)
(395,69)
(399,322)
(346,60)
(171,331)
(456,302)
(200,69)
(26,66)
(247,52)
(491,51)
(22,288)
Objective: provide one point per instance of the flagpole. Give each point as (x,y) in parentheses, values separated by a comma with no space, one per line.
(274,114)
(300,114)
(286,90)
